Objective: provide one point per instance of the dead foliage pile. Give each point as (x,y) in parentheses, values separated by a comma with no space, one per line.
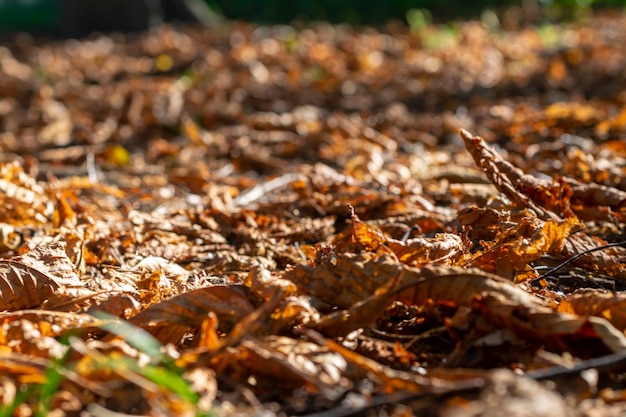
(326,220)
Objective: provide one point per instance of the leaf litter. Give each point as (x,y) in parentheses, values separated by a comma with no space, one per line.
(316,221)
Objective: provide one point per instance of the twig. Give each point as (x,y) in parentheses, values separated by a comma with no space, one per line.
(575,257)
(603,364)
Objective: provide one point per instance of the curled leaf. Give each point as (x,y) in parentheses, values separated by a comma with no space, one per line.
(29,280)
(540,196)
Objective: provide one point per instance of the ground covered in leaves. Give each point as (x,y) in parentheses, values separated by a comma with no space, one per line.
(323,221)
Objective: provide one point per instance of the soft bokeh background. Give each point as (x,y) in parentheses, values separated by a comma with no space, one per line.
(48,15)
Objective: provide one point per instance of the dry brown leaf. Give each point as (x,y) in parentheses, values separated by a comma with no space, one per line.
(23,287)
(456,286)
(264,284)
(293,311)
(582,336)
(607,262)
(445,248)
(611,307)
(514,250)
(485,222)
(541,196)
(343,280)
(33,278)
(365,236)
(279,361)
(23,199)
(173,317)
(347,279)
(592,195)
(361,314)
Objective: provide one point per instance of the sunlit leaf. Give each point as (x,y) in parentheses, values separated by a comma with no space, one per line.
(177,315)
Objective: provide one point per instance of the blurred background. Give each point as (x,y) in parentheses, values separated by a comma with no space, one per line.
(80,17)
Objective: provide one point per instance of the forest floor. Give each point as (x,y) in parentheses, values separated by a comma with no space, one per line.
(322,221)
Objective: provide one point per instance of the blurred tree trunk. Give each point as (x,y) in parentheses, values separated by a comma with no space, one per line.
(81,17)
